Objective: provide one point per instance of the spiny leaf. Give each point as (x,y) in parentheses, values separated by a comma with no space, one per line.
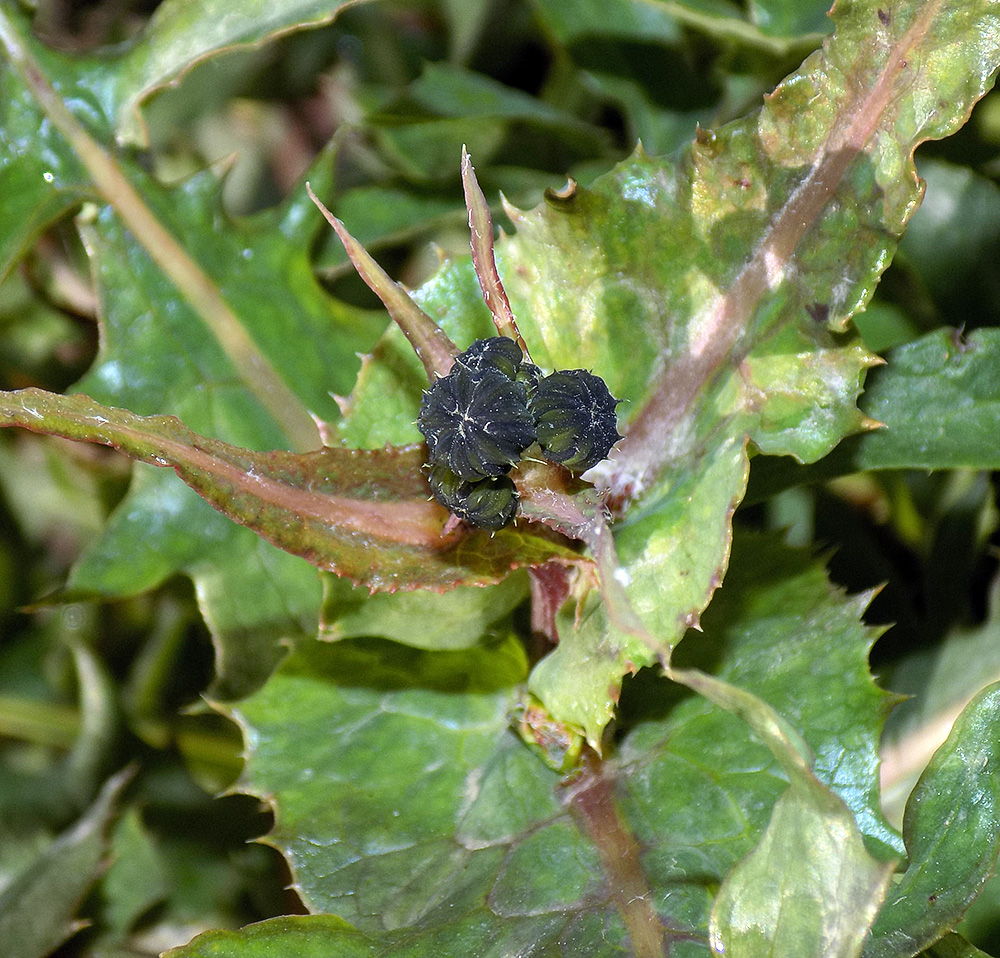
(504,850)
(361,514)
(938,398)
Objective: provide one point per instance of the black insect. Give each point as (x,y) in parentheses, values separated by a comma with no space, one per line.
(575,418)
(487,503)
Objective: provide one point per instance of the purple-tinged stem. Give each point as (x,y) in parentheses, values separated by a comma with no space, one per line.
(481,227)
(433,347)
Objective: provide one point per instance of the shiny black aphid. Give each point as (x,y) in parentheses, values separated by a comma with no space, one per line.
(575,418)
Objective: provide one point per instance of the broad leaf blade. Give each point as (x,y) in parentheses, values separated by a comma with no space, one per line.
(809,888)
(363,514)
(505,851)
(952,835)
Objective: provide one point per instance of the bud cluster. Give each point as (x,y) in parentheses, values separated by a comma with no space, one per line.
(491,407)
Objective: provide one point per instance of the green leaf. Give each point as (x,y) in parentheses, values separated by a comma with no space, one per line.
(778,901)
(938,399)
(37,907)
(788,371)
(40,178)
(449,90)
(452,107)
(953,239)
(774,592)
(456,620)
(380,216)
(940,682)
(953,946)
(500,844)
(261,270)
(180,34)
(362,514)
(322,936)
(51,789)
(571,21)
(662,19)
(789,18)
(151,217)
(135,880)
(951,834)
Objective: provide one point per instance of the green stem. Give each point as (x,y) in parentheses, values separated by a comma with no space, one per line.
(736,29)
(41,723)
(59,726)
(191,280)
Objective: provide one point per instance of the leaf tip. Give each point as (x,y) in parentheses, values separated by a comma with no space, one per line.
(512,212)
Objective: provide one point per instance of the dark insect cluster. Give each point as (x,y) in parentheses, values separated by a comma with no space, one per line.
(491,407)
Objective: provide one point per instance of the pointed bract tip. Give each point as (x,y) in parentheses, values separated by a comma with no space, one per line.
(328,431)
(327,215)
(514,213)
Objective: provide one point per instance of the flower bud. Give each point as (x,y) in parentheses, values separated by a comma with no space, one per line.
(498,352)
(575,418)
(476,423)
(487,503)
